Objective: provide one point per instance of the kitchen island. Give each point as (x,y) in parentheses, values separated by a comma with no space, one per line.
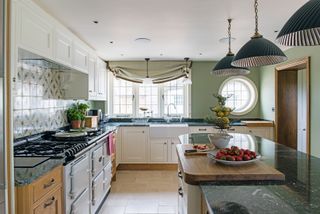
(299,193)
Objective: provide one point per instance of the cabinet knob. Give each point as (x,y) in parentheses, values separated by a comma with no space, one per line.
(250,131)
(172,143)
(165,143)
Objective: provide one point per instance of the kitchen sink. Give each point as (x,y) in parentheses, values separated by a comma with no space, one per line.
(168,130)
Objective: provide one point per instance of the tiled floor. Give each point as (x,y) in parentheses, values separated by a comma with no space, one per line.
(138,192)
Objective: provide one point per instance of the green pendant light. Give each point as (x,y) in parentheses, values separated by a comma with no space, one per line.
(303,28)
(258,51)
(224,67)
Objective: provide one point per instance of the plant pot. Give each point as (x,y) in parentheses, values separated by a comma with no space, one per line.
(76,124)
(220,140)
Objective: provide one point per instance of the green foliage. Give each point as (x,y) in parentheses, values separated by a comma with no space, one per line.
(77,111)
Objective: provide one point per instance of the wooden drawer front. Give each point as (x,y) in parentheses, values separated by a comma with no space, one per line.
(51,204)
(46,183)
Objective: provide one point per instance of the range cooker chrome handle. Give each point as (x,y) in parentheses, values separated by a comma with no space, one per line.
(180,191)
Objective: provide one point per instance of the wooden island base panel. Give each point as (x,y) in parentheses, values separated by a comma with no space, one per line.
(197,169)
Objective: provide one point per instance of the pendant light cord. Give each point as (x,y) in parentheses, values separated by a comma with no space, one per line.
(256,33)
(229,35)
(147,59)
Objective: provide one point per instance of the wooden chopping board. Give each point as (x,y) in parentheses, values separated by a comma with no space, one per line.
(190,146)
(200,168)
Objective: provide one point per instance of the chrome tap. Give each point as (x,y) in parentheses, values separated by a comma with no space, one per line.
(168,108)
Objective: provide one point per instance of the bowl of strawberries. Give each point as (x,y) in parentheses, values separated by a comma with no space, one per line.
(234,156)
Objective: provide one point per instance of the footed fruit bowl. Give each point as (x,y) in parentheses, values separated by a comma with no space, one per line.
(220,140)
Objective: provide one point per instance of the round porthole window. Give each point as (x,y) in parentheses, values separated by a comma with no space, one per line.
(243,92)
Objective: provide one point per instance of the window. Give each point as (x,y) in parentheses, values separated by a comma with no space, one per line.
(122,97)
(243,92)
(148,99)
(130,99)
(173,97)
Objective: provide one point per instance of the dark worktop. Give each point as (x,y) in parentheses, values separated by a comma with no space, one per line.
(300,193)
(127,122)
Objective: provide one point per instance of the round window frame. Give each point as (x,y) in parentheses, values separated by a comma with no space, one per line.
(252,87)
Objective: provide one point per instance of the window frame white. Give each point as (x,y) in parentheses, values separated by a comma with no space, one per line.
(135,107)
(253,91)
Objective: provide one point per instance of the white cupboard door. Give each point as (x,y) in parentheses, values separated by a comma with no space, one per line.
(159,150)
(134,145)
(92,77)
(34,33)
(173,157)
(264,132)
(62,48)
(101,80)
(80,58)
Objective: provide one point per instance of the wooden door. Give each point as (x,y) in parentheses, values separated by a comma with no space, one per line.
(287,108)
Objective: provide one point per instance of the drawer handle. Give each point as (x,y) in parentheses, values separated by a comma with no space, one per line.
(232,129)
(180,175)
(202,129)
(45,186)
(49,202)
(100,159)
(180,191)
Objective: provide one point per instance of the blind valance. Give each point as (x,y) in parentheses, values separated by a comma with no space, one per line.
(159,71)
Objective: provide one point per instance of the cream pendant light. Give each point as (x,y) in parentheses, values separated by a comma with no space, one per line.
(224,67)
(258,51)
(303,28)
(147,80)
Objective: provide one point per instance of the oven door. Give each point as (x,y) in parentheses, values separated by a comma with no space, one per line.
(81,204)
(98,192)
(77,179)
(98,157)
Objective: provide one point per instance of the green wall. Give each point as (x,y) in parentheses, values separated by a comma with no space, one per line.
(267,91)
(204,85)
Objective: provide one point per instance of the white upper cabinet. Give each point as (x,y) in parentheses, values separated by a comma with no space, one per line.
(92,70)
(62,47)
(80,57)
(34,33)
(101,80)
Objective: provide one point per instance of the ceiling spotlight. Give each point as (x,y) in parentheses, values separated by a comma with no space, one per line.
(161,54)
(121,54)
(111,42)
(142,40)
(200,54)
(95,21)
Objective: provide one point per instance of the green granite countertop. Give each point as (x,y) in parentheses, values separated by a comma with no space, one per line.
(25,176)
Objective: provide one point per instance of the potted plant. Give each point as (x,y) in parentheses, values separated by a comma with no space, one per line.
(76,114)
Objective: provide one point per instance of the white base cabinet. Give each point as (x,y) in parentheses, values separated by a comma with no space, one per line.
(163,150)
(134,144)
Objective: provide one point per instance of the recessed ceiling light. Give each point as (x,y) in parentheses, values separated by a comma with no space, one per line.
(226,40)
(161,54)
(121,54)
(142,40)
(111,42)
(200,54)
(95,21)
(276,31)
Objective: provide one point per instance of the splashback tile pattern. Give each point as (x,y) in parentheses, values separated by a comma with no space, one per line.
(38,104)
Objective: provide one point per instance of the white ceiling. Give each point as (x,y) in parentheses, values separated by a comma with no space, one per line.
(177,28)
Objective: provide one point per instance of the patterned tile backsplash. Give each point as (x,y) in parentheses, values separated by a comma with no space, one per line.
(38,104)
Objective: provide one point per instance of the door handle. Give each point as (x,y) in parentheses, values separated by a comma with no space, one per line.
(47,185)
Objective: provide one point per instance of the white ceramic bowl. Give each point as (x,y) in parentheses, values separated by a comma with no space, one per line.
(220,140)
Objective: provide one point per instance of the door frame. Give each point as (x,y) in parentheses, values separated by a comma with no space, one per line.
(297,64)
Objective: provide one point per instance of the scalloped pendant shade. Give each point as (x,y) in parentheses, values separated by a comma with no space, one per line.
(224,67)
(303,28)
(258,52)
